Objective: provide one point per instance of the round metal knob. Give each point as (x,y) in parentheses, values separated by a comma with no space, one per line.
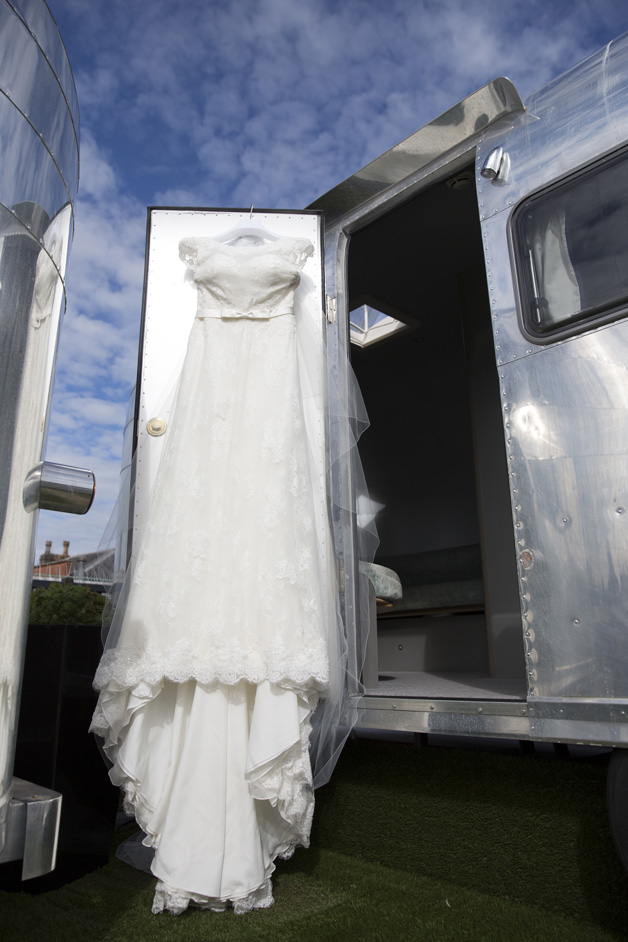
(156,426)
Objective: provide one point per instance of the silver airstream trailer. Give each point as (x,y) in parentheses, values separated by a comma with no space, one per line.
(476,275)
(39,157)
(482,269)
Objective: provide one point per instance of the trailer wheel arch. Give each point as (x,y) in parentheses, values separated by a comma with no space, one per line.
(617,801)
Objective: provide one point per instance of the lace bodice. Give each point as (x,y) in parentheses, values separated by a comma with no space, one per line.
(253,281)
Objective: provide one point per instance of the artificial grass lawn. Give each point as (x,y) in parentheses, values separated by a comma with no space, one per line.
(434,844)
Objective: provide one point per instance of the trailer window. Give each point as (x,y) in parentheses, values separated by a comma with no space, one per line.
(571,248)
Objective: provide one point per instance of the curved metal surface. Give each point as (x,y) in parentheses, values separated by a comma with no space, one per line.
(567,123)
(565,407)
(59,487)
(33,828)
(469,117)
(27,81)
(38,180)
(30,174)
(566,413)
(40,23)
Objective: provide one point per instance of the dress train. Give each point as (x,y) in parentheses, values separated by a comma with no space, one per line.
(228,789)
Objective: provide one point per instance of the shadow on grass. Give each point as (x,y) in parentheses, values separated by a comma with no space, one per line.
(521,828)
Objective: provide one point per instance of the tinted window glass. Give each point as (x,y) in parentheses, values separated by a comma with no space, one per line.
(571,245)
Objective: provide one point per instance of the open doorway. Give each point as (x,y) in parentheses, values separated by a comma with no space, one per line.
(434,456)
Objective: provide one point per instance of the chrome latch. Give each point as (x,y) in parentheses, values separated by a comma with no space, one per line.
(60,487)
(496,166)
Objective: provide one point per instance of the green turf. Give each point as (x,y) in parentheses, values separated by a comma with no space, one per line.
(431,844)
(524,828)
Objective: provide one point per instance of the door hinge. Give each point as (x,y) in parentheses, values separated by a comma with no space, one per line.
(341,575)
(330,307)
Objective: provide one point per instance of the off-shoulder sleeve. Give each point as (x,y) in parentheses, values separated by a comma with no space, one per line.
(190,248)
(302,250)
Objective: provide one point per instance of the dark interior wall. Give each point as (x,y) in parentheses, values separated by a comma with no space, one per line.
(418,453)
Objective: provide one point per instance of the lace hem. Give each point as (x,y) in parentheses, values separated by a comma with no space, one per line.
(123,670)
(168,899)
(288,786)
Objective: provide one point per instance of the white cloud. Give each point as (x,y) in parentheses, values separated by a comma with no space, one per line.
(98,348)
(97,175)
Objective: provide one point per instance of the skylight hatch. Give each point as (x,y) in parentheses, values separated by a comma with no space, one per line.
(368,325)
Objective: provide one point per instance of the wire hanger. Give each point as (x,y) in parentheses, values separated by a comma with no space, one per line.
(247,227)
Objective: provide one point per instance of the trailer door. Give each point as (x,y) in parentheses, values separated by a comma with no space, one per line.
(169,308)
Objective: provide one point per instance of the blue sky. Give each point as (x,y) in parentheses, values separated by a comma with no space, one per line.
(229,102)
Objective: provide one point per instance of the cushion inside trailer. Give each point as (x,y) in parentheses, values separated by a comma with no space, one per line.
(386,583)
(461,594)
(437,580)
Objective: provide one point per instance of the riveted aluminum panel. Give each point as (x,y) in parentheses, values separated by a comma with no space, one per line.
(38,179)
(28,173)
(45,32)
(603,722)
(566,419)
(565,407)
(28,82)
(490,718)
(567,123)
(570,122)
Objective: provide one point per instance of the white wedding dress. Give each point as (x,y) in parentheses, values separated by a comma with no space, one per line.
(212,671)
